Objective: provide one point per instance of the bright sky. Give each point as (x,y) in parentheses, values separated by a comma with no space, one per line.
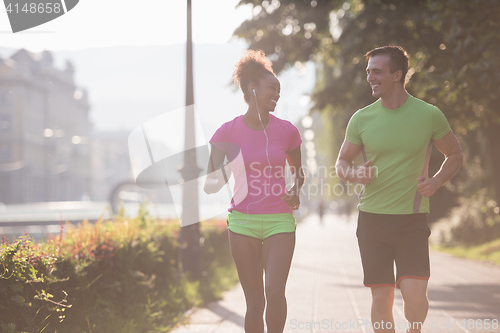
(106,23)
(98,23)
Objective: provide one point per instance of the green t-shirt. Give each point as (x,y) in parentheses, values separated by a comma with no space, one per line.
(399,143)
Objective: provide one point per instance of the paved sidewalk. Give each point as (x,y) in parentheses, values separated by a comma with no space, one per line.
(325,291)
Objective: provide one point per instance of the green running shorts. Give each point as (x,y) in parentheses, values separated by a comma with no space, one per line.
(260,226)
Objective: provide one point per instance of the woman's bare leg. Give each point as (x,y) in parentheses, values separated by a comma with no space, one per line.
(247,255)
(277,258)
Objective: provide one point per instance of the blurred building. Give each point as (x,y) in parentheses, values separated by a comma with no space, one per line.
(44,129)
(110,163)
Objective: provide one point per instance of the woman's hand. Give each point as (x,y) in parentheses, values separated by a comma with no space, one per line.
(224,173)
(214,181)
(292,198)
(292,195)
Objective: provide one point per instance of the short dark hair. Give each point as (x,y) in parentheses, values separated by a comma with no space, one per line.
(250,68)
(398,58)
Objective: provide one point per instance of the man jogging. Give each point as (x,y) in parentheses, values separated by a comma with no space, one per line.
(395,136)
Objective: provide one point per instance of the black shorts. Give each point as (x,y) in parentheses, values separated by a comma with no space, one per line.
(384,239)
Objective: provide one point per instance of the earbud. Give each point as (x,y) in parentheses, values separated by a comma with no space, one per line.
(258,111)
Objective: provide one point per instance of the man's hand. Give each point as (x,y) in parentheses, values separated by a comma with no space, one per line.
(364,174)
(292,199)
(427,186)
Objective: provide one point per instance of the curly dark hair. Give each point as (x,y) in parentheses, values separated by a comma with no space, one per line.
(398,58)
(250,68)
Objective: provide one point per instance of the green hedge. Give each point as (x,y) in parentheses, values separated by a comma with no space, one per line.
(113,276)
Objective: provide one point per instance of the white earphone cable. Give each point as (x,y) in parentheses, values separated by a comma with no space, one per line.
(267,155)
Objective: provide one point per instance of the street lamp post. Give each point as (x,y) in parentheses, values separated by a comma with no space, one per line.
(190,254)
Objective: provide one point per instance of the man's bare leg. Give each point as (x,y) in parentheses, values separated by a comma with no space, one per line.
(416,304)
(382,302)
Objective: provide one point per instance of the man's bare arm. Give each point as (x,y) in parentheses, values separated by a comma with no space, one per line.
(349,153)
(449,147)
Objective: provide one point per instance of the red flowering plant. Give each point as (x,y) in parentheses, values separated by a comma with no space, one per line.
(89,242)
(122,275)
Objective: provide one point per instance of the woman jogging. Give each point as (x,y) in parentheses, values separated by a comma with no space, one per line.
(261,224)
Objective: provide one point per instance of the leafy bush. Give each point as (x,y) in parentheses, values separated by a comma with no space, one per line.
(120,275)
(26,271)
(475,221)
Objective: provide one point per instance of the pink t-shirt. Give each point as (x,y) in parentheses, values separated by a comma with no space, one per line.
(258,187)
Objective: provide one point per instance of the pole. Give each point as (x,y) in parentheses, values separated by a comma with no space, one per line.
(190,235)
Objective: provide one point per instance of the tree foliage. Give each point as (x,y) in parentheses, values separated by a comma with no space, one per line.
(454,63)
